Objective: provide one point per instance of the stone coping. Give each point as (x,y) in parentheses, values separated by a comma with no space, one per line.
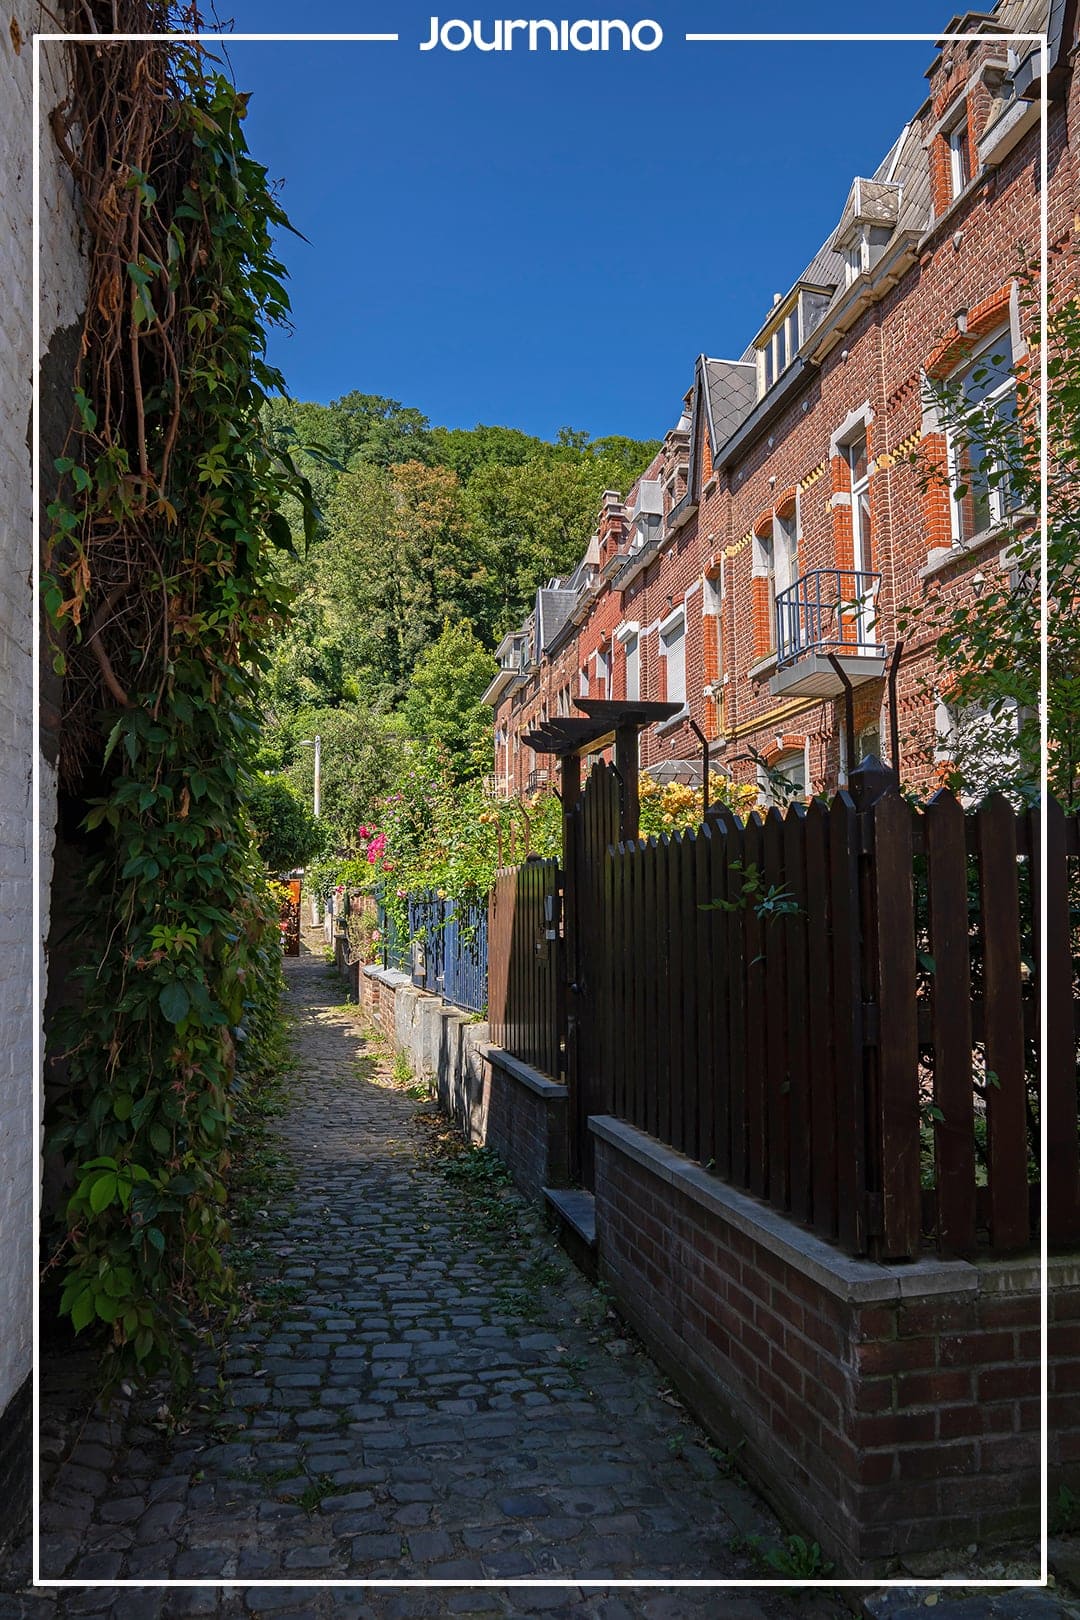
(857,1282)
(393,977)
(531,1078)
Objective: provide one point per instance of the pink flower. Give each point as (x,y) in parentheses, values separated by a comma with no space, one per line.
(365,832)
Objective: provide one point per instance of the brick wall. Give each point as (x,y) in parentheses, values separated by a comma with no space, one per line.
(888,1409)
(526,1124)
(62,297)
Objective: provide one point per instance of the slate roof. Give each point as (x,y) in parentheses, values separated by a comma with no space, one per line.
(730,388)
(553,607)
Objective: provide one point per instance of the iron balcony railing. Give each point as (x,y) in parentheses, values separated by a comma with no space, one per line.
(829,610)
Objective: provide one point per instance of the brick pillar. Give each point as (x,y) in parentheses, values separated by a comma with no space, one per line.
(759,612)
(937,517)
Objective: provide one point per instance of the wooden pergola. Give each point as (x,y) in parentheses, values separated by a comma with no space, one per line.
(605,721)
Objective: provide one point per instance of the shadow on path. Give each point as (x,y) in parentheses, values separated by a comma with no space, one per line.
(425,1389)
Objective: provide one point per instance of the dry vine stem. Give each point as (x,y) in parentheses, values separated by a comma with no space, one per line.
(117,125)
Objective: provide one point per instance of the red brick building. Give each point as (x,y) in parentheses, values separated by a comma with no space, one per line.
(783,519)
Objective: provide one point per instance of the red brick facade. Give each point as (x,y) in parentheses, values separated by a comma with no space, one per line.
(948,278)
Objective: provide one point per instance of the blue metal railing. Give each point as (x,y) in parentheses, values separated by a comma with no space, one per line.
(444,947)
(393,943)
(829,610)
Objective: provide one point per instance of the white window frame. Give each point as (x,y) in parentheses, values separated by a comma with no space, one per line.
(788,574)
(763,551)
(628,634)
(856,428)
(996,494)
(667,627)
(956,139)
(632,650)
(764,787)
(603,670)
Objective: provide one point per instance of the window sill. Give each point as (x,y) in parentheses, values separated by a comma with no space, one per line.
(958,203)
(943,558)
(763,668)
(674,722)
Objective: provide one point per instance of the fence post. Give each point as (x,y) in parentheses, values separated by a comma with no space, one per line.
(890,1029)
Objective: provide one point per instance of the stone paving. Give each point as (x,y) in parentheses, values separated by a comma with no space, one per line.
(426,1390)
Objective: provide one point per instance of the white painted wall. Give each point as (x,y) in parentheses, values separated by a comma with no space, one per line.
(63,293)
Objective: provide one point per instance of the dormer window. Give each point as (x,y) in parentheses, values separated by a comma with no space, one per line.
(788,328)
(869,218)
(866,248)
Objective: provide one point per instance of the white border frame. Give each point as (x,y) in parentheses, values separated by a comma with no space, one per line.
(218,40)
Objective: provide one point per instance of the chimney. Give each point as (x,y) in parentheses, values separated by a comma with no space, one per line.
(612,530)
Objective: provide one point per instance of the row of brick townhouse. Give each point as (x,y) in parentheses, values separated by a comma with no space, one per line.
(784,519)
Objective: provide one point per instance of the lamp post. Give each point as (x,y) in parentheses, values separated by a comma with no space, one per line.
(316,743)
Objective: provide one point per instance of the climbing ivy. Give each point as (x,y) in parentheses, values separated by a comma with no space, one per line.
(159,590)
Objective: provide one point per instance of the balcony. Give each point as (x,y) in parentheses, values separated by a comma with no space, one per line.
(829,611)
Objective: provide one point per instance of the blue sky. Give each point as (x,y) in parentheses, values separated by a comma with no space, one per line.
(545,239)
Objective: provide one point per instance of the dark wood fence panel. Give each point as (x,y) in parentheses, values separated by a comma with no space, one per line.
(773,951)
(1003,1024)
(894,1054)
(798,1042)
(834,1009)
(819,1110)
(950,1005)
(852,1228)
(752,991)
(525,965)
(1060,1037)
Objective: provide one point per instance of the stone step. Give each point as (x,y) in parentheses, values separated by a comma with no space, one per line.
(574,1213)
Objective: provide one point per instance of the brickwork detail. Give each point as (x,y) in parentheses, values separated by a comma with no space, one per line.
(889,1426)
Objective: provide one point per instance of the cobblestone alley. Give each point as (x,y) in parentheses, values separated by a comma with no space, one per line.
(425,1389)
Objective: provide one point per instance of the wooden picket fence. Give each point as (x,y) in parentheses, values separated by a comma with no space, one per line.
(835,1009)
(525,999)
(839,1013)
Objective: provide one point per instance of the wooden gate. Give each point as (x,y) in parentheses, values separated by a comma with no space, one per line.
(595,830)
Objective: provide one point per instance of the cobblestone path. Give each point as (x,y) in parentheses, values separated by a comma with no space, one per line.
(428,1389)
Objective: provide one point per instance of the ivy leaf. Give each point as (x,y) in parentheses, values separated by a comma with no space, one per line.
(278,529)
(82,1311)
(103,1192)
(114,738)
(174,1001)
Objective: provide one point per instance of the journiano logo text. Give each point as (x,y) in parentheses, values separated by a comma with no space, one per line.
(541,33)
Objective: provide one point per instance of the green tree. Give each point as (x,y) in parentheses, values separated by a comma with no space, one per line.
(443,703)
(395,562)
(287,835)
(361,755)
(466,449)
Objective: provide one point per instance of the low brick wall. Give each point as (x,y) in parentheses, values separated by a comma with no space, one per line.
(887,1408)
(525,1123)
(497,1101)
